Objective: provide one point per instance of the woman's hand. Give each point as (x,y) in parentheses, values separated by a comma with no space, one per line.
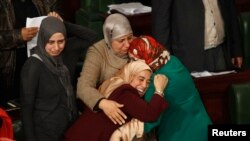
(28,33)
(160,82)
(113,111)
(55,14)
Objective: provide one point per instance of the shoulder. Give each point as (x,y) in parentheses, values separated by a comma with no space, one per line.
(126,89)
(173,63)
(100,46)
(97,48)
(32,65)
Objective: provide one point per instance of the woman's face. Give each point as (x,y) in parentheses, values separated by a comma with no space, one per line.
(55,44)
(121,45)
(141,81)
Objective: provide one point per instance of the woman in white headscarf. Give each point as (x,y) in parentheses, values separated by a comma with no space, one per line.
(126,87)
(103,59)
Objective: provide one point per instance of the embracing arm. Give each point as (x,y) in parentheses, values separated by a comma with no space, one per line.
(87,91)
(89,78)
(148,126)
(84,33)
(137,108)
(29,85)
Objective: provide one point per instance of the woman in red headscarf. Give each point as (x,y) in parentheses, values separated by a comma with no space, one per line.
(186,117)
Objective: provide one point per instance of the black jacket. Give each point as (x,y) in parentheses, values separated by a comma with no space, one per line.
(179,25)
(43,99)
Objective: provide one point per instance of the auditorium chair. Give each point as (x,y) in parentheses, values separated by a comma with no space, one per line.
(245,30)
(239,103)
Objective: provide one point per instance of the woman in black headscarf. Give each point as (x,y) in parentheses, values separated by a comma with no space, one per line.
(48,101)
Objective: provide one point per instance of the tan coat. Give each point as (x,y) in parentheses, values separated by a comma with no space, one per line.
(100,63)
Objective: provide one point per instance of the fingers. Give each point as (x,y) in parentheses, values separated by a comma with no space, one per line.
(112,119)
(112,110)
(55,14)
(233,60)
(29,33)
(237,62)
(160,82)
(116,117)
(120,116)
(119,105)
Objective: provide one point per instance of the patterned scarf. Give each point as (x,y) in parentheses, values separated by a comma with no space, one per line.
(148,49)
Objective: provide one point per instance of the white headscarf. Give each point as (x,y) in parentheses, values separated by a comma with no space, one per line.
(124,76)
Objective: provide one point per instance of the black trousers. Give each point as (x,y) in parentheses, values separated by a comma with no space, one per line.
(215,59)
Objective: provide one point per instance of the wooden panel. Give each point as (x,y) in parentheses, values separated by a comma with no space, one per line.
(243,5)
(214,93)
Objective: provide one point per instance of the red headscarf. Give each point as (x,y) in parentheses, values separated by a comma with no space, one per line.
(148,49)
(6,131)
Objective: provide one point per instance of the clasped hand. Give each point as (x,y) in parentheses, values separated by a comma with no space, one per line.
(113,111)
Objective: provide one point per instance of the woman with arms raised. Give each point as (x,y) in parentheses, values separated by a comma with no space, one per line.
(186,117)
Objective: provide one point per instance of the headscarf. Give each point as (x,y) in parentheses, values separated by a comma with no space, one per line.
(115,26)
(50,26)
(148,49)
(124,76)
(6,129)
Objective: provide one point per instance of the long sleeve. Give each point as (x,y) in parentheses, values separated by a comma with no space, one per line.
(89,78)
(236,39)
(10,39)
(148,126)
(136,107)
(78,41)
(84,33)
(100,64)
(29,85)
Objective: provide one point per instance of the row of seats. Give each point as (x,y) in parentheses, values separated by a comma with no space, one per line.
(239,94)
(245,30)
(239,105)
